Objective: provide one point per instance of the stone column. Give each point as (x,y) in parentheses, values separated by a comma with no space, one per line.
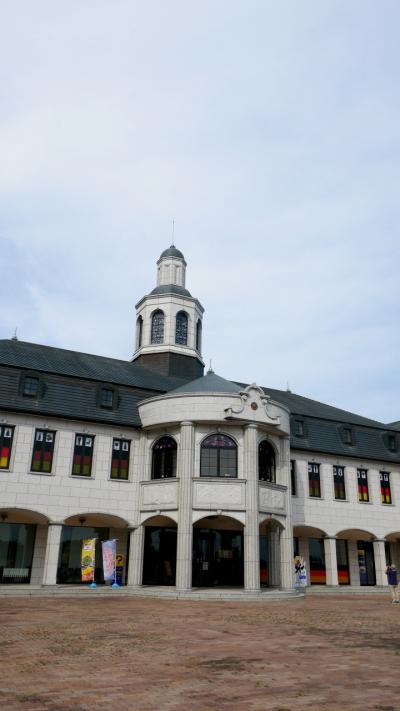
(185,526)
(380,562)
(136,546)
(331,561)
(286,535)
(274,556)
(251,530)
(52,554)
(353,563)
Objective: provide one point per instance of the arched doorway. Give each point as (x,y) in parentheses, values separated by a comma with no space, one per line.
(18,538)
(159,558)
(82,526)
(218,552)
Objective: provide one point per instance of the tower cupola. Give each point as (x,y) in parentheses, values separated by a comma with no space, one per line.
(169,322)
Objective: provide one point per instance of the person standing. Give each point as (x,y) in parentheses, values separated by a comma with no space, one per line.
(393,583)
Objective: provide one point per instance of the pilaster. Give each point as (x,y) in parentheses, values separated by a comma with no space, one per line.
(136,547)
(52,554)
(331,561)
(185,495)
(380,562)
(251,531)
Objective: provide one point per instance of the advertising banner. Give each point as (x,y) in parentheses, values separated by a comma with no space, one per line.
(300,572)
(87,560)
(109,551)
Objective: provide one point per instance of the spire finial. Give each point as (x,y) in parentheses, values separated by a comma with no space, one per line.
(210,370)
(14,338)
(173,233)
(288,390)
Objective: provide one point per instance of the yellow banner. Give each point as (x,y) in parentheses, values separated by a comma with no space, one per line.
(87,561)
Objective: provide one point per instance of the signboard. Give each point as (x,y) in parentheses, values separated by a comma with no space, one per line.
(87,559)
(119,568)
(300,572)
(109,550)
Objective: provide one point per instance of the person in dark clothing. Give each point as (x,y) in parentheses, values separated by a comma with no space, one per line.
(393,583)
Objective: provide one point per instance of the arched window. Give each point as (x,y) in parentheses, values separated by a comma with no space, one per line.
(157,327)
(164,458)
(266,461)
(218,456)
(181,328)
(198,336)
(139,332)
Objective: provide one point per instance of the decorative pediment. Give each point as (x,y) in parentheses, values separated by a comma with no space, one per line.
(254,406)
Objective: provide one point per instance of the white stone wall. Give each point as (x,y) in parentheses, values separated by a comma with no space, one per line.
(332,516)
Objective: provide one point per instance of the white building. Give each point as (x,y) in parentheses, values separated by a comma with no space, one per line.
(203,481)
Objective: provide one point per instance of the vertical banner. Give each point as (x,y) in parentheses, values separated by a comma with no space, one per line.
(87,560)
(300,572)
(109,551)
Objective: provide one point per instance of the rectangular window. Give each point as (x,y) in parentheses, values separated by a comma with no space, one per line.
(386,494)
(338,482)
(31,386)
(43,448)
(299,428)
(293,477)
(6,439)
(362,483)
(347,436)
(120,459)
(107,398)
(314,482)
(83,455)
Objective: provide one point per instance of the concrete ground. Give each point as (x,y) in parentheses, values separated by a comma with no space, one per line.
(333,653)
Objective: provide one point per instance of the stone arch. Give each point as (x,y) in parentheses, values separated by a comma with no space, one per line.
(13,514)
(96,519)
(355,534)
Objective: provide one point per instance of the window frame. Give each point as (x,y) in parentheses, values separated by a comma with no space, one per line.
(266,480)
(184,340)
(154,338)
(315,479)
(336,482)
(360,471)
(204,447)
(84,436)
(293,477)
(43,450)
(161,454)
(122,441)
(3,427)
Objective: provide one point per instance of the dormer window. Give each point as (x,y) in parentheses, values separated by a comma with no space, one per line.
(299,428)
(30,386)
(392,444)
(107,398)
(346,434)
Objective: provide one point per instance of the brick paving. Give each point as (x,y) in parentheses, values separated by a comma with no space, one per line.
(315,654)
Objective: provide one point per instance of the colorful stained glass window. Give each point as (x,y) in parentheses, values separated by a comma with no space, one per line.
(164,458)
(43,448)
(338,482)
(266,461)
(314,482)
(362,485)
(386,494)
(181,328)
(218,456)
(6,439)
(157,327)
(83,455)
(120,459)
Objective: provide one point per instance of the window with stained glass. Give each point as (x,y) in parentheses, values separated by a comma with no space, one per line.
(83,455)
(157,327)
(293,477)
(386,494)
(120,458)
(362,485)
(181,328)
(338,482)
(164,458)
(314,481)
(43,449)
(218,456)
(266,461)
(6,440)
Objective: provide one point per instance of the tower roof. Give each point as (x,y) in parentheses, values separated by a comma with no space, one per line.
(172,251)
(209,383)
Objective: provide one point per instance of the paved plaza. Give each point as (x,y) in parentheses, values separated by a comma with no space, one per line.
(319,653)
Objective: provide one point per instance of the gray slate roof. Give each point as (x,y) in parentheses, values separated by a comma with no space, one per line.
(209,383)
(171,289)
(172,251)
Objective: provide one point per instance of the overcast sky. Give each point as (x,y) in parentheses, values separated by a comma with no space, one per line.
(268,130)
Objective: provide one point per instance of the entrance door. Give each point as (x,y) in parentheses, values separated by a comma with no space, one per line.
(217,557)
(159,564)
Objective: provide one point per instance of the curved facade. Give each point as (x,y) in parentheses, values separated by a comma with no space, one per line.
(203,482)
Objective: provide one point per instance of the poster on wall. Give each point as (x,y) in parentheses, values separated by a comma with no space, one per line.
(109,549)
(88,559)
(300,572)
